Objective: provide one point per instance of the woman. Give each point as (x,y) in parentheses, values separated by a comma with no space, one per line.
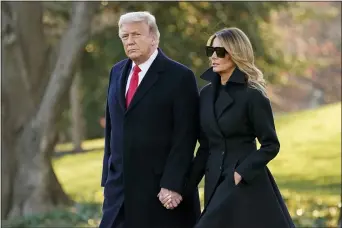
(239,190)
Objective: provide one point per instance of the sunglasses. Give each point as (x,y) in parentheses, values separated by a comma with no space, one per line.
(220,51)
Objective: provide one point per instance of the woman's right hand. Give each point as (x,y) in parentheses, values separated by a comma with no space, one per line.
(237,178)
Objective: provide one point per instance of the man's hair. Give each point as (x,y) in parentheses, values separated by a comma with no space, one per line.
(141,16)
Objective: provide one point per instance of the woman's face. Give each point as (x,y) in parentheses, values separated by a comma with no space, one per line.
(219,64)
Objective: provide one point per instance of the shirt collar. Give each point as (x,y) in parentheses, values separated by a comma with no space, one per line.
(146,65)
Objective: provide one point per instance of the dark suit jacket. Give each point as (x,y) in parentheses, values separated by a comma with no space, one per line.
(232,117)
(150,144)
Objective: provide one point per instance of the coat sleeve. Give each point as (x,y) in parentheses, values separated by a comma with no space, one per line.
(261,118)
(185,121)
(197,169)
(107,133)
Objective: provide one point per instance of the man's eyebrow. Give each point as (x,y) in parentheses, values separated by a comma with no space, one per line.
(127,33)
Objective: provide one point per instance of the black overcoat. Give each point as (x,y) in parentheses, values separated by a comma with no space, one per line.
(232,117)
(150,145)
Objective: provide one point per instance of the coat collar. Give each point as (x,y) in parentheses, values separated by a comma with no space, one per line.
(237,76)
(224,101)
(148,81)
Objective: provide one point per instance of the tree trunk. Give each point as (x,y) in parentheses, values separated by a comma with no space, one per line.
(76,113)
(8,163)
(32,101)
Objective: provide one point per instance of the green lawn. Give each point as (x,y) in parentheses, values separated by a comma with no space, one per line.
(310,158)
(308,162)
(307,169)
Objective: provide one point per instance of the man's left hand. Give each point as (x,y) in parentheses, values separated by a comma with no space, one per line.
(169,199)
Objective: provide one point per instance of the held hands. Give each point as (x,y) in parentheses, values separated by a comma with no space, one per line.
(169,199)
(237,178)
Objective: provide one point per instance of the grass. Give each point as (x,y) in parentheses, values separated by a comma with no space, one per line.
(307,169)
(86,145)
(309,161)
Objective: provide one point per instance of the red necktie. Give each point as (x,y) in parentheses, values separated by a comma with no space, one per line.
(133,85)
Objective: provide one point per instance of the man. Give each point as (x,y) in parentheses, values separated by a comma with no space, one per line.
(150,134)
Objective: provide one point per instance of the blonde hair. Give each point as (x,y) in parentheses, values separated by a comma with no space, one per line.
(140,16)
(240,49)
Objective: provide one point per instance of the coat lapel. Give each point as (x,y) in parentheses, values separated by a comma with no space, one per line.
(211,110)
(224,101)
(122,84)
(209,75)
(149,79)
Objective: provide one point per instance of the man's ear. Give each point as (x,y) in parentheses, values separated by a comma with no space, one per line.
(154,40)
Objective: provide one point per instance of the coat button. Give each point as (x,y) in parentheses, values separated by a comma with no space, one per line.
(222,152)
(220,167)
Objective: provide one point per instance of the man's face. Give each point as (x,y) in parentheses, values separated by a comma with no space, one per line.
(137,41)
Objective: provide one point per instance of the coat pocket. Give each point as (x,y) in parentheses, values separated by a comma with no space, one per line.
(236,164)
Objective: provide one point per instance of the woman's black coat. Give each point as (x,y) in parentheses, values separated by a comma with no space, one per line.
(232,117)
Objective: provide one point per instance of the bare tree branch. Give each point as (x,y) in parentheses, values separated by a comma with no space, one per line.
(30,31)
(16,68)
(32,184)
(71,44)
(7,33)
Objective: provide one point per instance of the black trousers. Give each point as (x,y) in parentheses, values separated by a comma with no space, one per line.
(120,220)
(107,219)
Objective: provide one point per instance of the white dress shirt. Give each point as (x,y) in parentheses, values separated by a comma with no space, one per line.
(144,68)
